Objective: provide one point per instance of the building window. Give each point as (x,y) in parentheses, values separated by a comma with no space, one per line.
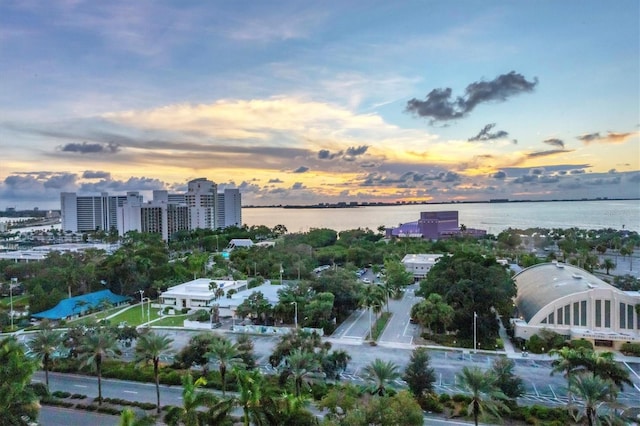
(551,318)
(607,313)
(623,315)
(598,313)
(560,316)
(630,316)
(576,313)
(583,313)
(567,315)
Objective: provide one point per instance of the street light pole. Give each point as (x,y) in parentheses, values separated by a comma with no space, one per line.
(295,318)
(142,303)
(13,280)
(475,332)
(148,309)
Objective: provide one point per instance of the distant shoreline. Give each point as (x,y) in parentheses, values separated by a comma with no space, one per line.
(344,205)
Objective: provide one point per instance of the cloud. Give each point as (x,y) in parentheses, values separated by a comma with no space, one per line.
(634,178)
(486,135)
(60,181)
(577,171)
(325,154)
(90,174)
(297,185)
(449,177)
(547,153)
(554,142)
(301,169)
(499,175)
(439,105)
(276,180)
(90,148)
(610,137)
(131,184)
(355,151)
(604,181)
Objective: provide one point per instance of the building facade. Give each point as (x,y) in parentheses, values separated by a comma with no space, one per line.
(572,302)
(433,226)
(201,206)
(419,264)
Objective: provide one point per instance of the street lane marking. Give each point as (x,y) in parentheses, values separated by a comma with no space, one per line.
(80,386)
(554,394)
(134,392)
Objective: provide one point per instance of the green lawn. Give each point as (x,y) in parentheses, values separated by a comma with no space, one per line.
(171,321)
(379,325)
(6,301)
(133,316)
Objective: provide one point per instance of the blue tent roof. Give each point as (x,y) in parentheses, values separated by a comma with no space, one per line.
(78,305)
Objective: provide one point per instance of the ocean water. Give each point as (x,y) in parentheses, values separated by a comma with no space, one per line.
(493,217)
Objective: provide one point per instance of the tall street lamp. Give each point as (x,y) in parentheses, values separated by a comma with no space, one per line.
(475,332)
(13,281)
(142,303)
(148,308)
(295,317)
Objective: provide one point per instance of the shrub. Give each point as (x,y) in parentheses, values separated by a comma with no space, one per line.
(632,349)
(61,394)
(577,344)
(55,402)
(108,410)
(444,397)
(430,402)
(461,398)
(40,389)
(201,315)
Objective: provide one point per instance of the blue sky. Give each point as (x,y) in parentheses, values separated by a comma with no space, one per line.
(306,102)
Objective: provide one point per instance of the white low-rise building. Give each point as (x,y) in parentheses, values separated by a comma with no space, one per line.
(197,294)
(572,302)
(420,264)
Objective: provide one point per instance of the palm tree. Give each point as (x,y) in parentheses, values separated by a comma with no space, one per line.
(608,264)
(150,347)
(301,364)
(381,373)
(226,354)
(567,362)
(372,296)
(43,345)
(128,418)
(603,364)
(485,395)
(18,403)
(254,397)
(94,349)
(593,391)
(192,400)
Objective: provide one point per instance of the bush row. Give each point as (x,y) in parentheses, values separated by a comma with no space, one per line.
(632,349)
(142,405)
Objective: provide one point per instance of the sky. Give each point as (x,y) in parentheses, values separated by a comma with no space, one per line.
(320,102)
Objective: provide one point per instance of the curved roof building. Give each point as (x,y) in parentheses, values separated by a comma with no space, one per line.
(571,301)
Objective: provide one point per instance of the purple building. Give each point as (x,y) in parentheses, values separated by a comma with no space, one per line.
(433,226)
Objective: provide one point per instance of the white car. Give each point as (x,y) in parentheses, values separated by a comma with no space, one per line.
(366,280)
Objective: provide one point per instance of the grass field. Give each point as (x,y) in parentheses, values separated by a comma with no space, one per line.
(379,325)
(133,316)
(171,321)
(17,300)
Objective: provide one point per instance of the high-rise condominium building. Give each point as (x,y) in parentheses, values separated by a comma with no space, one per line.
(202,199)
(92,213)
(200,207)
(229,208)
